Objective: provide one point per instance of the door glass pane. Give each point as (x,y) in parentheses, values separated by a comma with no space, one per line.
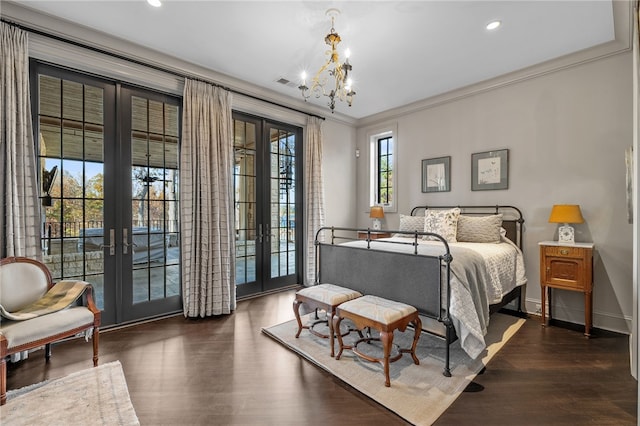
(155,229)
(282,205)
(71,172)
(244,174)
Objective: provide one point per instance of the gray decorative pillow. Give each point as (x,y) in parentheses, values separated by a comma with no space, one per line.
(410,224)
(480,229)
(442,222)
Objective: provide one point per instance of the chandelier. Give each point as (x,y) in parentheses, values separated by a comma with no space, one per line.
(332,79)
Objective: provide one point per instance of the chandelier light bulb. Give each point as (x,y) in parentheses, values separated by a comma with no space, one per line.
(493,25)
(347,53)
(347,86)
(154,3)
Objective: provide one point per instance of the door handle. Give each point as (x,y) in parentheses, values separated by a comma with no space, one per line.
(125,241)
(260,233)
(112,242)
(269,235)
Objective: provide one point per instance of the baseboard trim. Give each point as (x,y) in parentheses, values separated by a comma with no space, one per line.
(601,320)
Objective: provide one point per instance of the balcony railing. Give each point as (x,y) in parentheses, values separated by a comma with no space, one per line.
(53,229)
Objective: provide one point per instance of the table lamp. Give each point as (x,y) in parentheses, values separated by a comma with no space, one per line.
(376,213)
(566,214)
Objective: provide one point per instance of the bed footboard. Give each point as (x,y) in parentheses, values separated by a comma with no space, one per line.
(416,279)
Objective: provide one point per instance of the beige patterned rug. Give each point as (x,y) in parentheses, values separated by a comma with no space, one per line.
(418,393)
(95,396)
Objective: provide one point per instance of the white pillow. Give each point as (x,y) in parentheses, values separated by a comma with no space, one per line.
(442,222)
(410,224)
(479,229)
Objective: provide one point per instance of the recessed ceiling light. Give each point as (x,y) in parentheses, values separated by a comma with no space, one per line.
(493,25)
(154,3)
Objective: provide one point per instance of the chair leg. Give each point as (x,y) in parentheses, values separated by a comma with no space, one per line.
(96,338)
(3,381)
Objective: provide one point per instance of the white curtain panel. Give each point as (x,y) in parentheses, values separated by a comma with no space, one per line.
(206,201)
(314,193)
(20,216)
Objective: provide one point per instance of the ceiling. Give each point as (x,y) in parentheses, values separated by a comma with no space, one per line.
(402,51)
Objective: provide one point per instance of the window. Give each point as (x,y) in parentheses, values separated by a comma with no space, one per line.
(383,145)
(385,170)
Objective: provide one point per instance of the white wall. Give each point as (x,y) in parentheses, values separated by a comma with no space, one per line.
(339,172)
(566,132)
(634,348)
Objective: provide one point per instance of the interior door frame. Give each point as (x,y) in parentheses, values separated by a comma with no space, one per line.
(269,283)
(117,187)
(264,282)
(130,311)
(109,313)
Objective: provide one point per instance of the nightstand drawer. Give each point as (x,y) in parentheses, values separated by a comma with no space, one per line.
(564,251)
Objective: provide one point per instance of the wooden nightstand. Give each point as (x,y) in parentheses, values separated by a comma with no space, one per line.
(567,267)
(362,235)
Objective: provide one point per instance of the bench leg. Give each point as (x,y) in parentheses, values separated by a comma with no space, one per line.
(331,333)
(387,340)
(417,324)
(296,312)
(336,326)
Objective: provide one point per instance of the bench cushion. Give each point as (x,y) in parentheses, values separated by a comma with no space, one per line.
(18,333)
(329,294)
(381,310)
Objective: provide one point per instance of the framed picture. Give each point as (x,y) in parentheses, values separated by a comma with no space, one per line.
(436,174)
(490,170)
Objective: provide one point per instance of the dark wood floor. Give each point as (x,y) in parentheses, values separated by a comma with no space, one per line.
(224,371)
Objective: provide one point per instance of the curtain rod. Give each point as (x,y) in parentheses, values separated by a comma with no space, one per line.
(149,65)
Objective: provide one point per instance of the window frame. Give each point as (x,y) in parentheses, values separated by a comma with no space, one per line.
(374,136)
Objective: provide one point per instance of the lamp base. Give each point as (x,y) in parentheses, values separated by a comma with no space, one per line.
(377,225)
(566,234)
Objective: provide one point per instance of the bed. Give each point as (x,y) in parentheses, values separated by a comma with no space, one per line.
(455,264)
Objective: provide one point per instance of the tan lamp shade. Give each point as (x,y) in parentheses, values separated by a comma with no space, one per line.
(566,213)
(376,212)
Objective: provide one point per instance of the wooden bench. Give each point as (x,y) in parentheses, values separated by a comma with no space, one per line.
(325,297)
(383,315)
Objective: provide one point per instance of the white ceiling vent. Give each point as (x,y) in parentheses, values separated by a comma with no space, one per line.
(286,82)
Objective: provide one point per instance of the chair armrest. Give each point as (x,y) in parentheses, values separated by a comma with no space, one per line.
(4,346)
(87,299)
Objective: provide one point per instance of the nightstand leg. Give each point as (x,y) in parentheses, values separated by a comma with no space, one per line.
(588,303)
(544,306)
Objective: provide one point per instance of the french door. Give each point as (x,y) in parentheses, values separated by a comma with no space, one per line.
(108,157)
(268,200)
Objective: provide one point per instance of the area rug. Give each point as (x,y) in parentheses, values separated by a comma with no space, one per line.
(418,393)
(95,396)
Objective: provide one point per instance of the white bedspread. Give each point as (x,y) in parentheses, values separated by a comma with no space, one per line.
(481,275)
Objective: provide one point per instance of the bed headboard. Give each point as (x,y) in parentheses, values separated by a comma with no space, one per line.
(512,220)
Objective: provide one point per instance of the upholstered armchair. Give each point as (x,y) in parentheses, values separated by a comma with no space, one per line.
(35,312)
